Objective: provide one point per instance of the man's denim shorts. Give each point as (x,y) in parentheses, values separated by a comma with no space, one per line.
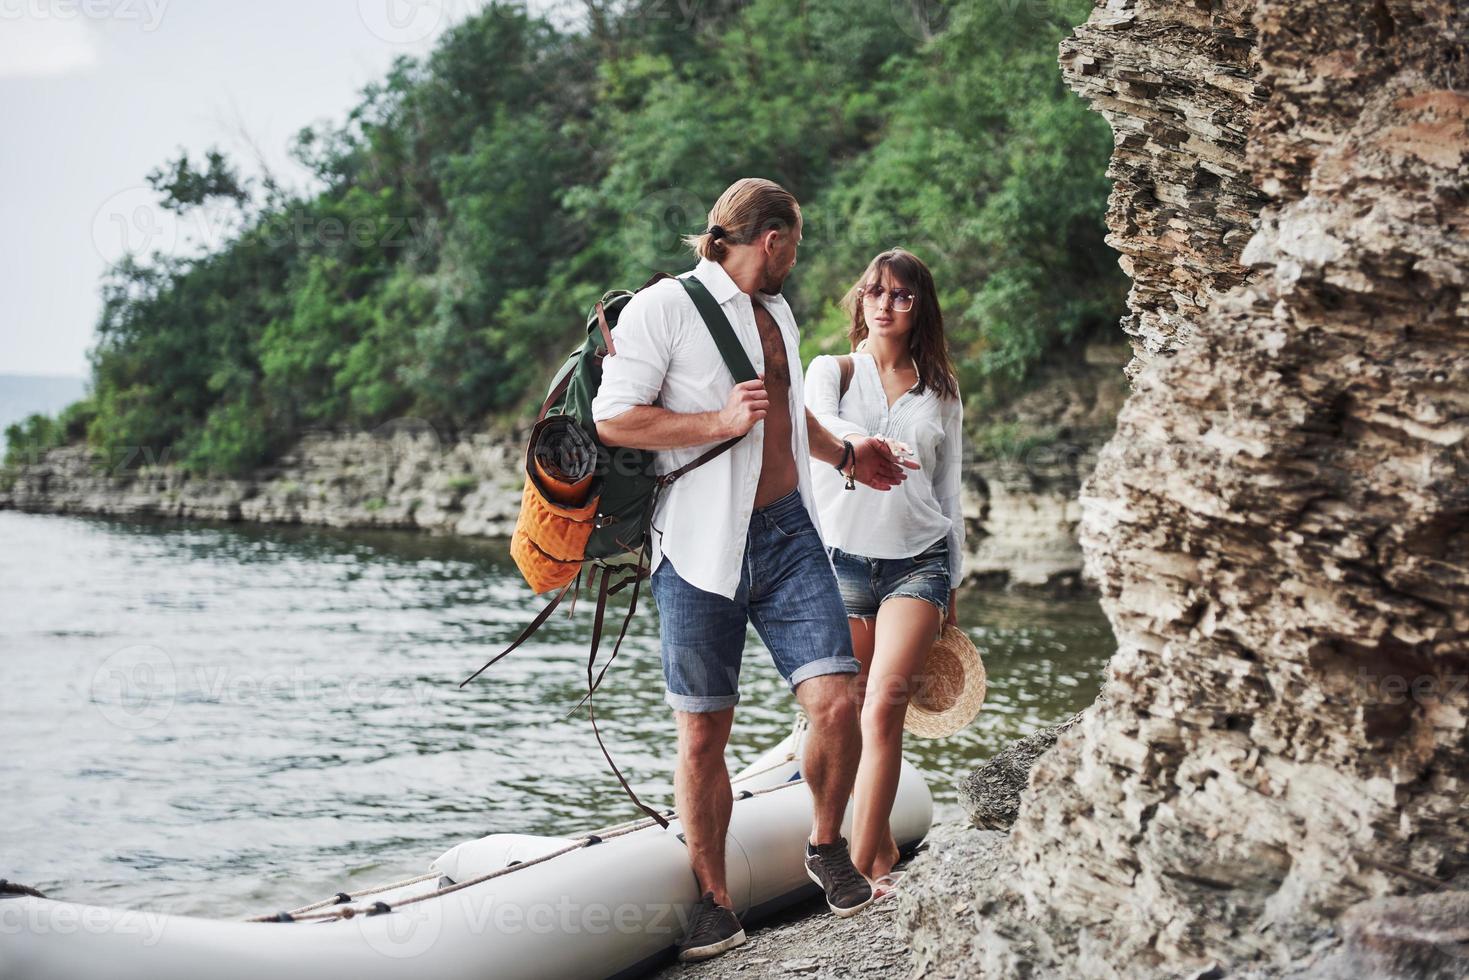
(786,589)
(866,582)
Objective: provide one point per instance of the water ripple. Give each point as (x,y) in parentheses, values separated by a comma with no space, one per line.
(230,719)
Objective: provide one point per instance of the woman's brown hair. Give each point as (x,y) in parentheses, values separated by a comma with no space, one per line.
(747,209)
(926,341)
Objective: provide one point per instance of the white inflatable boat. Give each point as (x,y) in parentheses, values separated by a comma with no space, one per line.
(612,903)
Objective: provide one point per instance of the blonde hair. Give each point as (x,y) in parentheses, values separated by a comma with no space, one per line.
(747,209)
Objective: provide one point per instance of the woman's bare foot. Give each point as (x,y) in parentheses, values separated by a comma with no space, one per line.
(884,862)
(885,886)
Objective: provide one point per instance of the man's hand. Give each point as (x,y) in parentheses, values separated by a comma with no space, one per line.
(747,404)
(877,467)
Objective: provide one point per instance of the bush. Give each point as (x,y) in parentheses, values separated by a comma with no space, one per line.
(27,441)
(479,199)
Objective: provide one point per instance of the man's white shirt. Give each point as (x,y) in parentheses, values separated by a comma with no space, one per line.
(666,357)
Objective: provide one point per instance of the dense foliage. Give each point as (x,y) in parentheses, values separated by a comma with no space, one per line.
(476,201)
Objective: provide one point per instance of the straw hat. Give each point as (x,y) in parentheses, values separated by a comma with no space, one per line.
(951,687)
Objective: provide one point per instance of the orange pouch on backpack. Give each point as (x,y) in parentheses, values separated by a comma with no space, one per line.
(558,509)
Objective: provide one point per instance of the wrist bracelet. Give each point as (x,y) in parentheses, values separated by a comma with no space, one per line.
(849,453)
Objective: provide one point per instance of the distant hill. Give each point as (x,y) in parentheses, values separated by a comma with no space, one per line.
(24,394)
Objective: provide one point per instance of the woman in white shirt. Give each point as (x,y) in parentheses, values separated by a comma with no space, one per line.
(898,554)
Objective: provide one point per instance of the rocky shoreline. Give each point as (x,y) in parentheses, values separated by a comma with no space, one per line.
(1020,502)
(926,929)
(893,938)
(952,917)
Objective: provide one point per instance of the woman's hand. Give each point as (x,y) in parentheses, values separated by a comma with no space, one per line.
(876,464)
(953,617)
(901,451)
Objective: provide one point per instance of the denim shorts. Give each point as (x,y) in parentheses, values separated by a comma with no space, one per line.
(866,582)
(786,590)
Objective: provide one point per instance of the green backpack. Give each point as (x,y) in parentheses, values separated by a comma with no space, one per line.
(625,485)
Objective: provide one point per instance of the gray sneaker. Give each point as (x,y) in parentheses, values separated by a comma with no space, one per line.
(830,866)
(713,929)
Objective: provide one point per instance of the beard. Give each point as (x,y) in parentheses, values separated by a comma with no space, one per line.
(773,277)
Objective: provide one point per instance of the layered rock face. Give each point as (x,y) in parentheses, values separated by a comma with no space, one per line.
(1178,82)
(396,477)
(1020,501)
(1020,507)
(1280,527)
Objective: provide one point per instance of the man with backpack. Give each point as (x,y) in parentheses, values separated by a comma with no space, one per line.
(735,539)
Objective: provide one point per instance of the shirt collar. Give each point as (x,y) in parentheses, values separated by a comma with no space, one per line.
(716,280)
(723,288)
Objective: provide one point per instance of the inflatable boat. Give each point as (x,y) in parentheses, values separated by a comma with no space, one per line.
(610,903)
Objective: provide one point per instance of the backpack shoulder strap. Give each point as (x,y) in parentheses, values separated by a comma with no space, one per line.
(730,349)
(724,336)
(845,366)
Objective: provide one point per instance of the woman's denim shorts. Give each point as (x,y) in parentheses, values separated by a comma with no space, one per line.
(866,582)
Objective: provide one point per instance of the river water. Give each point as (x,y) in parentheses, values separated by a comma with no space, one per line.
(225,720)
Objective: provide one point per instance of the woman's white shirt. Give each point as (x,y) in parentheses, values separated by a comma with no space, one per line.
(903,521)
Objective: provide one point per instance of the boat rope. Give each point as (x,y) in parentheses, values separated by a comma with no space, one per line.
(760,772)
(798,736)
(342,898)
(343,910)
(8,887)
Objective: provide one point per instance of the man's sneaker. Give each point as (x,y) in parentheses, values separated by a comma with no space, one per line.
(830,866)
(713,929)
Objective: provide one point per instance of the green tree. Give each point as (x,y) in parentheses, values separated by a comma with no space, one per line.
(475,202)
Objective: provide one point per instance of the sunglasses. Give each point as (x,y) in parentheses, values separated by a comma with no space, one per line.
(902,298)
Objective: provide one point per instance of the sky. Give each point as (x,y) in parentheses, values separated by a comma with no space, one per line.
(94,94)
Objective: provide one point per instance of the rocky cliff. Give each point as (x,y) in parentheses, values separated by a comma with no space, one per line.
(399,476)
(1020,502)
(1280,527)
